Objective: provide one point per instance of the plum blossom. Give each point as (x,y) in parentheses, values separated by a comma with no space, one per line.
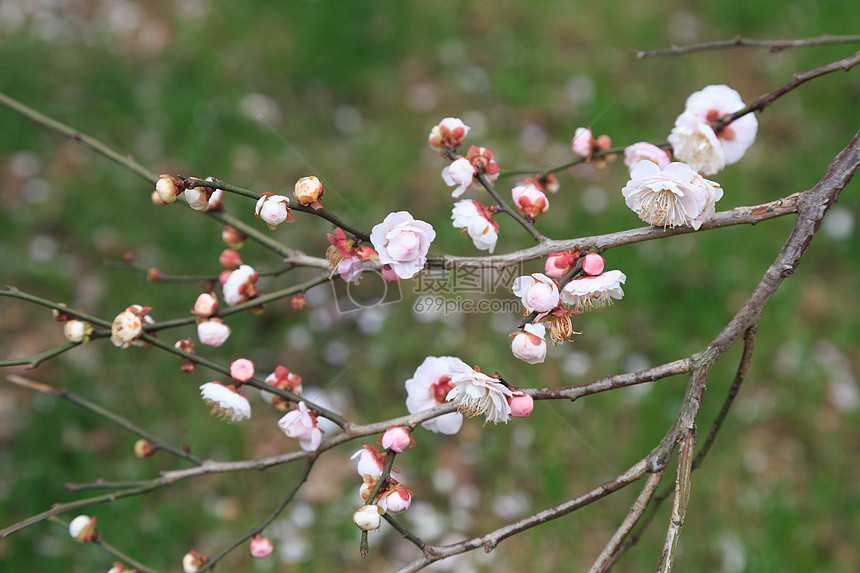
(168,188)
(538,292)
(213,332)
(273,210)
(241,370)
(530,345)
(448,135)
(193,561)
(119,568)
(282,379)
(226,402)
(644,151)
(559,264)
(671,197)
(301,424)
(127,327)
(395,498)
(347,257)
(309,191)
(230,259)
(475,393)
(368,517)
(592,264)
(584,145)
(694,140)
(261,547)
(403,242)
(77,330)
(484,161)
(206,305)
(529,200)
(370,462)
(522,405)
(198,198)
(475,221)
(586,293)
(396,438)
(83,529)
(241,285)
(459,174)
(429,387)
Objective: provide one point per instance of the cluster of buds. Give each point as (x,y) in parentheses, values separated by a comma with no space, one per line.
(282,379)
(347,256)
(168,188)
(186,345)
(585,145)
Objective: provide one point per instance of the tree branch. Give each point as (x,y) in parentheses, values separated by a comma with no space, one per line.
(775,46)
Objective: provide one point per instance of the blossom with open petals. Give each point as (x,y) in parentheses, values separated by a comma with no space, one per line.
(530,345)
(282,379)
(671,197)
(127,327)
(301,424)
(460,175)
(226,401)
(644,151)
(538,292)
(475,394)
(403,242)
(586,293)
(529,200)
(475,221)
(429,387)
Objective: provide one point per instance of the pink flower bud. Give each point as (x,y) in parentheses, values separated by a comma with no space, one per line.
(83,529)
(230,259)
(261,547)
(593,264)
(233,237)
(389,275)
(309,191)
(397,438)
(242,370)
(368,517)
(521,405)
(559,264)
(274,210)
(206,305)
(298,302)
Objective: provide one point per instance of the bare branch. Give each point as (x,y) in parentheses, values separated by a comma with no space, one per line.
(683,486)
(775,46)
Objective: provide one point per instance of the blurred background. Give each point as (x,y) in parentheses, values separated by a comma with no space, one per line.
(260,94)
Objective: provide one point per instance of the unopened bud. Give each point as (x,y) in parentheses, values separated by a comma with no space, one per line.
(230,259)
(193,562)
(233,237)
(168,187)
(154,275)
(83,529)
(144,448)
(368,517)
(77,330)
(261,547)
(299,302)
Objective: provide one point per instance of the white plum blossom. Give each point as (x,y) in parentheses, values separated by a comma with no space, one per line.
(429,387)
(449,133)
(193,561)
(396,499)
(538,292)
(475,393)
(370,461)
(368,517)
(241,285)
(459,174)
(696,144)
(198,198)
(530,345)
(128,326)
(702,108)
(529,200)
(77,330)
(644,151)
(213,332)
(273,210)
(402,242)
(309,191)
(226,402)
(671,197)
(475,221)
(583,142)
(302,425)
(586,293)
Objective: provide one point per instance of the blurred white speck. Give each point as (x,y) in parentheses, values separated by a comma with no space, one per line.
(788,358)
(422,98)
(594,200)
(24,164)
(336,352)
(298,337)
(425,521)
(523,437)
(467,496)
(324,317)
(371,320)
(347,119)
(302,514)
(579,90)
(733,554)
(444,480)
(636,362)
(122,17)
(611,348)
(839,224)
(843,394)
(683,27)
(294,549)
(533,138)
(193,8)
(477,121)
(633,394)
(510,506)
(11,15)
(503,323)
(576,364)
(36,190)
(260,108)
(43,248)
(472,79)
(451,52)
(755,461)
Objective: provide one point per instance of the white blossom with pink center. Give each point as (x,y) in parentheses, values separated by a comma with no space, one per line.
(459,174)
(302,425)
(644,151)
(475,393)
(226,402)
(538,292)
(213,332)
(587,293)
(710,103)
(671,197)
(273,210)
(473,220)
(429,387)
(241,285)
(530,345)
(403,242)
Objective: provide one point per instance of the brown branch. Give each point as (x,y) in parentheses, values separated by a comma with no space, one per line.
(604,560)
(683,487)
(775,46)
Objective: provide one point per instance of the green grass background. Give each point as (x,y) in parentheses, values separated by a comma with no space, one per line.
(356,87)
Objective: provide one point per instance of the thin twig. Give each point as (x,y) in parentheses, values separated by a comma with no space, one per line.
(683,486)
(775,46)
(99,540)
(34,361)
